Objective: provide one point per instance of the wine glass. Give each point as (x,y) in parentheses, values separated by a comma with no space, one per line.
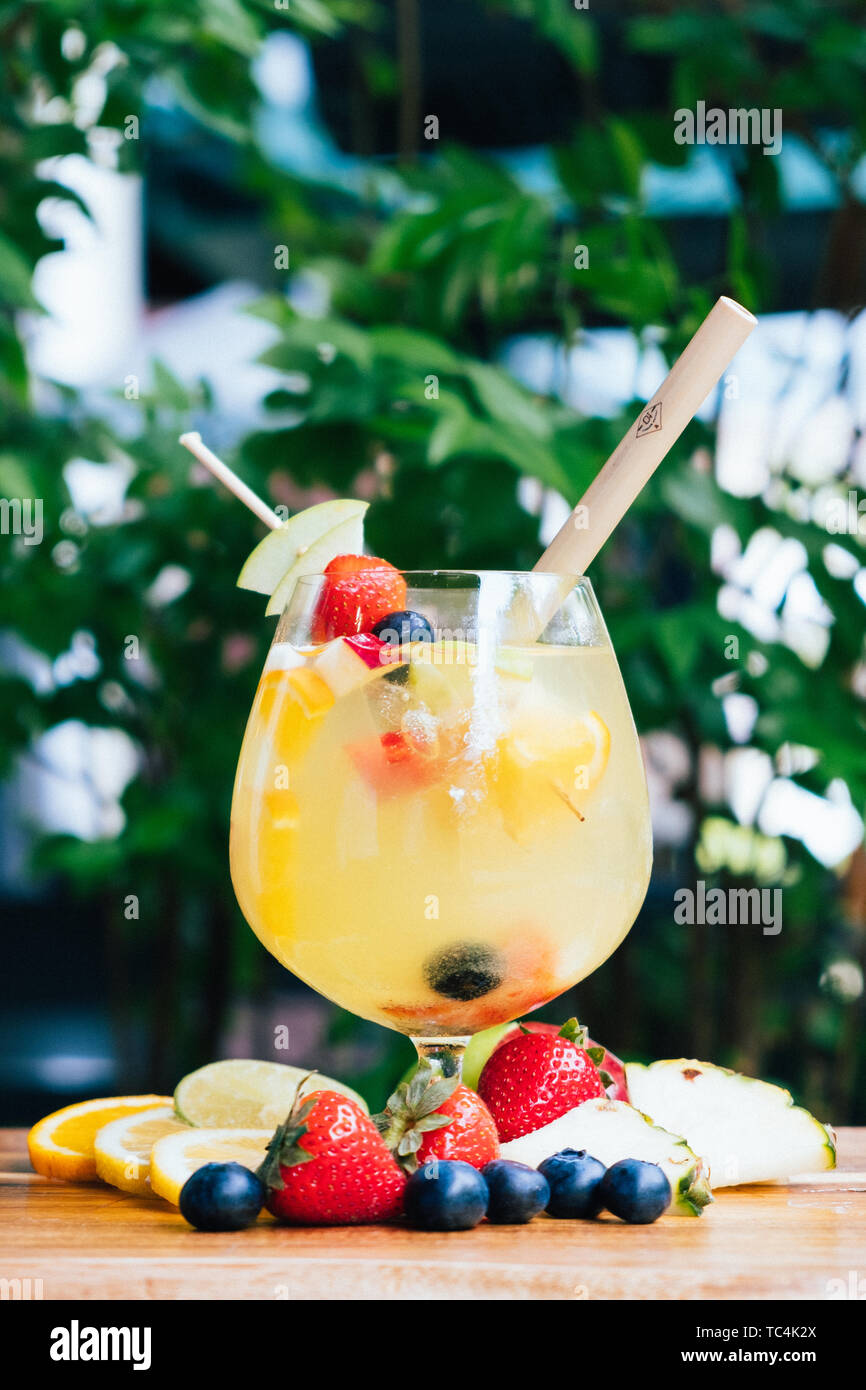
(443,828)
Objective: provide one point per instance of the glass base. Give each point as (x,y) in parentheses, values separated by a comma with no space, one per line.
(444,1055)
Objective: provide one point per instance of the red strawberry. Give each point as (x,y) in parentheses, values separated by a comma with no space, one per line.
(611,1069)
(328,1166)
(433,1116)
(394,763)
(535,1078)
(358,590)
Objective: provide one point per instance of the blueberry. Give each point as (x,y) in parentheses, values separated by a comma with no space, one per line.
(445,1194)
(575,1183)
(221,1197)
(635,1191)
(517,1192)
(402,627)
(465,970)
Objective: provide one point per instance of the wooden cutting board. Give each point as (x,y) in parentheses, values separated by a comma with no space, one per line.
(806,1240)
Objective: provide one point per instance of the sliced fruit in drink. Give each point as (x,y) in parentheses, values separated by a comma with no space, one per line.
(312,693)
(343,539)
(176,1157)
(431,686)
(61,1145)
(281,809)
(291,704)
(280,550)
(572,752)
(247,1093)
(271,687)
(611,1130)
(284,657)
(546,765)
(747,1130)
(398,763)
(513,663)
(122,1148)
(350,662)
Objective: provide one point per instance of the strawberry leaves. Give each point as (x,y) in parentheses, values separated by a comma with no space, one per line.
(411,1112)
(573,1031)
(597,1055)
(284,1150)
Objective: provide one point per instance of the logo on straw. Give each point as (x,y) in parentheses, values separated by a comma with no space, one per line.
(650,420)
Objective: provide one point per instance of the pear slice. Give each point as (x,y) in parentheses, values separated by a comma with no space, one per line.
(747,1130)
(611,1130)
(276,554)
(345,539)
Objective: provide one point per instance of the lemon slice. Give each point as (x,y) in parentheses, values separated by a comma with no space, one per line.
(122,1148)
(562,749)
(176,1157)
(61,1145)
(248,1094)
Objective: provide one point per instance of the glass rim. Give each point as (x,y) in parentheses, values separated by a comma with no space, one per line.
(573,579)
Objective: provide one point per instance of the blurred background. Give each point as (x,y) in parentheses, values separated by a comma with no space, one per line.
(277,222)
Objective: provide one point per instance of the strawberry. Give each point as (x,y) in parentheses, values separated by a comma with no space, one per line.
(396,763)
(433,1116)
(357,591)
(610,1068)
(536,1077)
(328,1166)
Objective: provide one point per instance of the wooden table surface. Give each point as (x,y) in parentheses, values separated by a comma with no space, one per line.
(90,1241)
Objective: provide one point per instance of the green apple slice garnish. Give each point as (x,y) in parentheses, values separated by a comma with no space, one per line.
(345,539)
(275,556)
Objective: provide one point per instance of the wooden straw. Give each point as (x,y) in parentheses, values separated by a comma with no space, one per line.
(220,470)
(656,429)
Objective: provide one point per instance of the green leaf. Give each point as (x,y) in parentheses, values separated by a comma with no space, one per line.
(15,276)
(167,390)
(231,23)
(417,350)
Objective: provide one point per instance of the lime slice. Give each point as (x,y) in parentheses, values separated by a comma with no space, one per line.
(276,554)
(345,539)
(176,1157)
(247,1094)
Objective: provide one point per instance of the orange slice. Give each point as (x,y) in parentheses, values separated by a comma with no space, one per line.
(61,1145)
(548,767)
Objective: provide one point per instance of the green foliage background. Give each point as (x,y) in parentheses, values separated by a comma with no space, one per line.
(435,282)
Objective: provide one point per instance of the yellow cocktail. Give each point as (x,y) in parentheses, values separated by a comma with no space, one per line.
(443,835)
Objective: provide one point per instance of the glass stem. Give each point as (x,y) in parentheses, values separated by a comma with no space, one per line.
(444,1055)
